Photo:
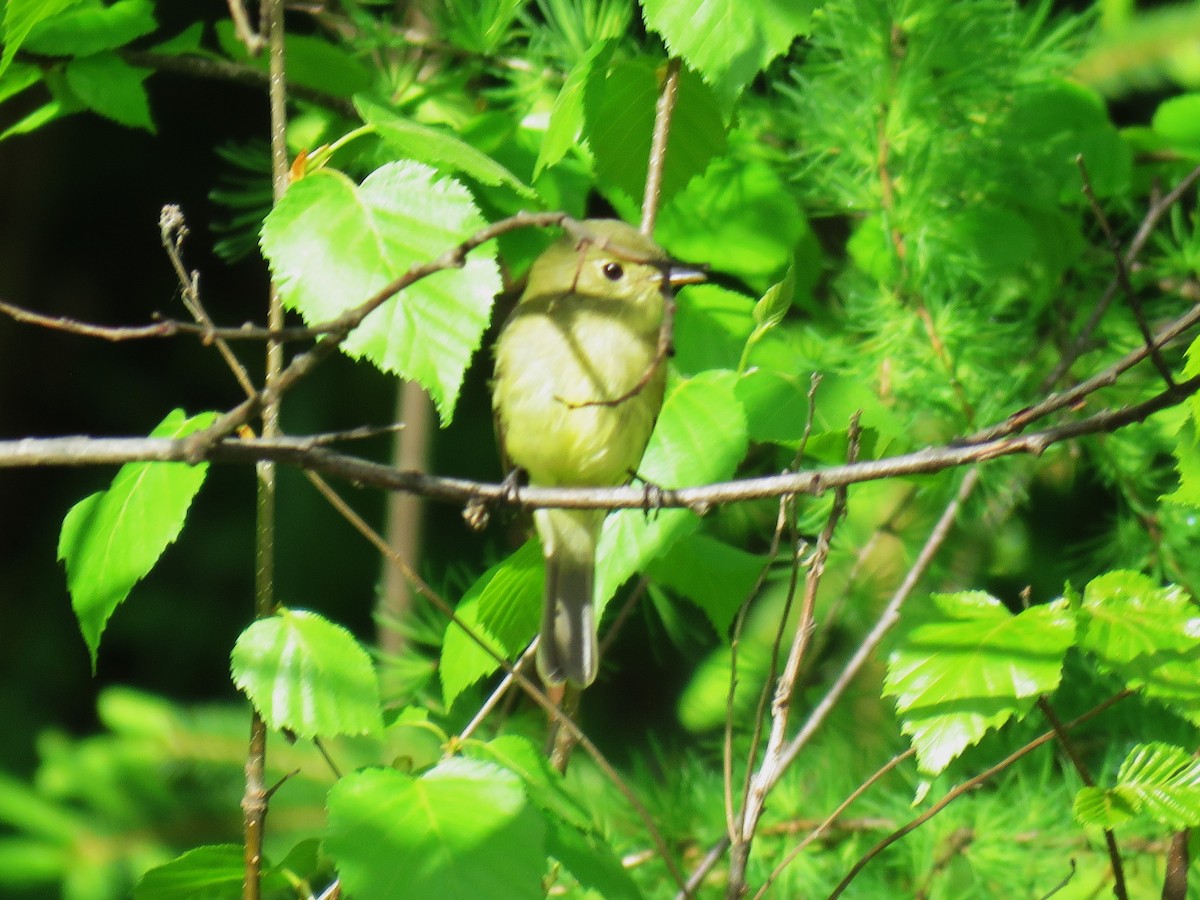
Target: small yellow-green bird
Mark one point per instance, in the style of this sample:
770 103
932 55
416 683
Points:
569 409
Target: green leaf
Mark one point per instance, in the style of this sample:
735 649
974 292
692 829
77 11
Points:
739 217
113 88
187 41
1102 807
971 668
437 148
712 325
700 438
1158 779
504 606
43 115
1058 121
91 27
566 118
307 675
19 78
213 873
571 836
715 576
21 17
1126 615
112 539
619 108
1187 454
461 831
332 245
1178 120
728 41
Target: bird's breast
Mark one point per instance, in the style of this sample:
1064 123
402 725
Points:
561 371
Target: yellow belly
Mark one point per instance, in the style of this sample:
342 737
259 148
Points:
546 402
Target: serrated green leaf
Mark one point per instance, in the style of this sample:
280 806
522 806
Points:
1164 780
971 668
307 675
112 539
463 830
21 17
332 244
728 41
619 111
437 148
1102 807
1126 615
108 85
699 439
213 873
1161 780
1187 454
566 117
504 606
714 575
86 28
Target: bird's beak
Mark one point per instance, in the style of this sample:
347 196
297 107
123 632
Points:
679 275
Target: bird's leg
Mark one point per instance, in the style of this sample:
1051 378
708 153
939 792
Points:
511 484
653 495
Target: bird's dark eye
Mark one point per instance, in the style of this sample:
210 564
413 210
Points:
613 271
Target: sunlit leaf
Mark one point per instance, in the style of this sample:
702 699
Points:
307 675
112 539
333 244
89 27
971 668
728 41
461 831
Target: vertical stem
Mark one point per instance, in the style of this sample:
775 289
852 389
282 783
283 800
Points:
658 145
254 800
405 513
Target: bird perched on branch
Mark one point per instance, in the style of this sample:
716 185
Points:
580 372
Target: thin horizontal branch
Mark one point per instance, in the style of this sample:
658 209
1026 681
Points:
162 328
308 454
197 66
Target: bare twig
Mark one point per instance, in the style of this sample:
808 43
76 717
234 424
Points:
827 823
1158 208
172 230
161 328
197 66
1110 839
967 786
245 32
773 755
79 451
1122 270
498 694
658 145
255 801
1067 399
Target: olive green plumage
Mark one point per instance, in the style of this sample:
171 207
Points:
584 334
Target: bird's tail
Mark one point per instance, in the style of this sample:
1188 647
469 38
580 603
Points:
567 647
